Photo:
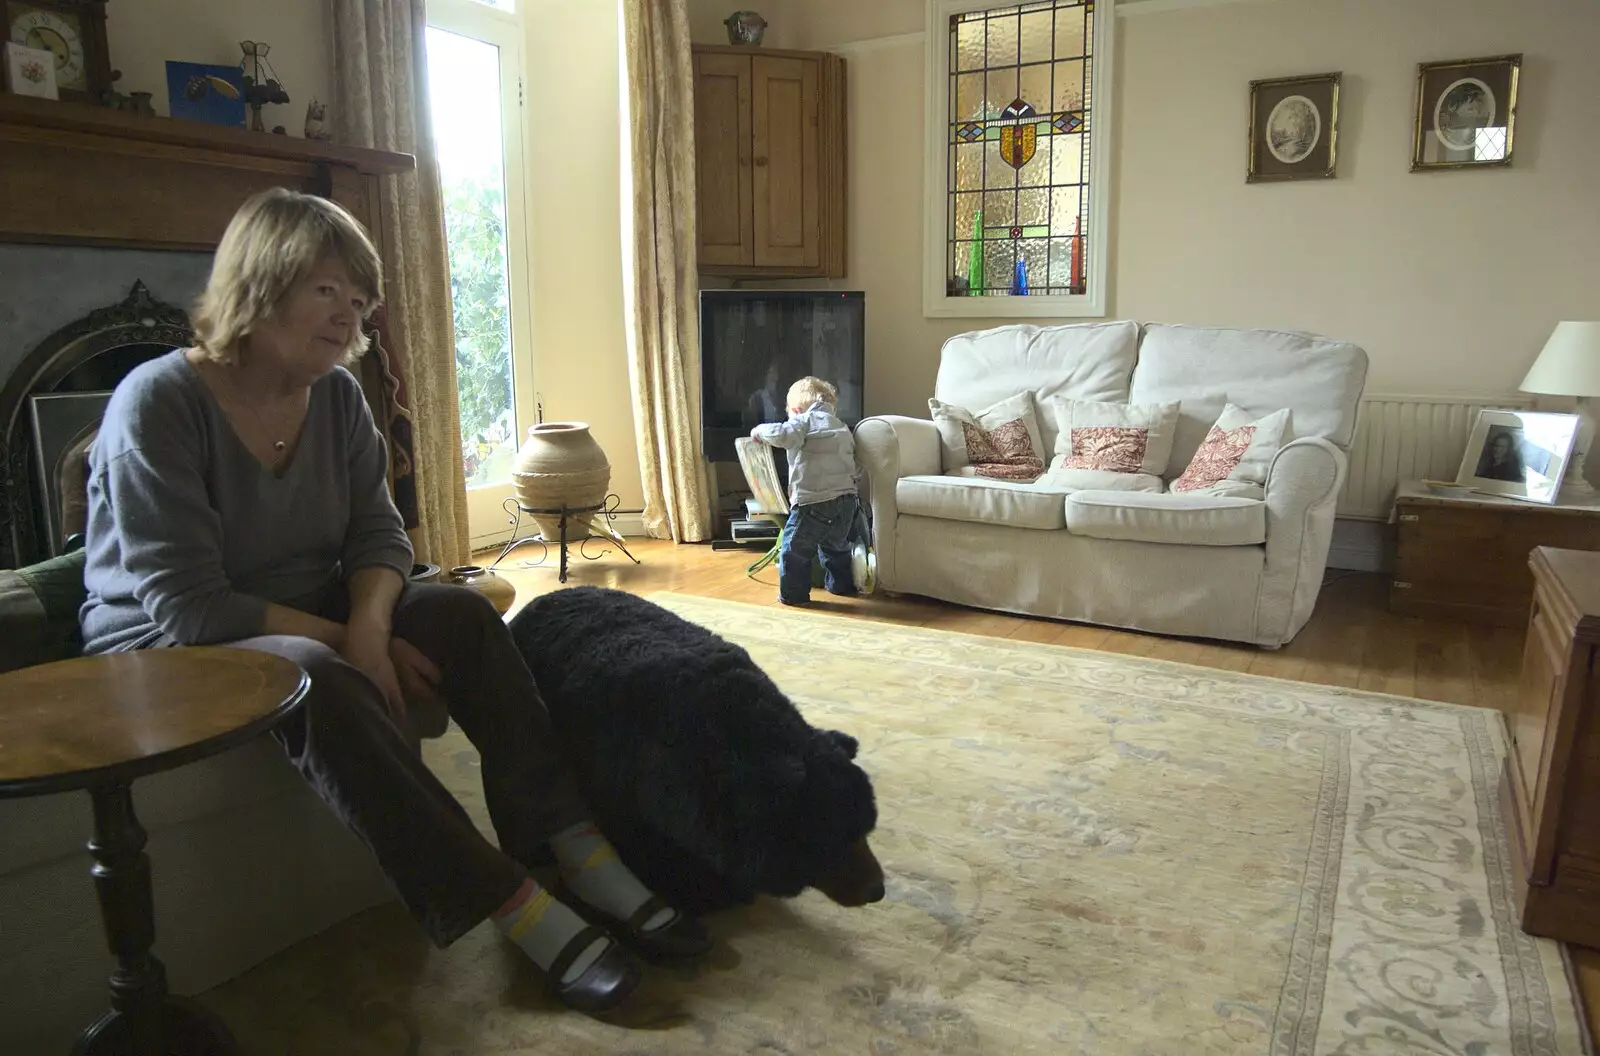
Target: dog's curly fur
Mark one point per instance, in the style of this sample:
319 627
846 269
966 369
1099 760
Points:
701 771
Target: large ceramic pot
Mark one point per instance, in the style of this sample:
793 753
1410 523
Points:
559 465
496 588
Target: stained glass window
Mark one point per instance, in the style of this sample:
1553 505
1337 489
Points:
1021 127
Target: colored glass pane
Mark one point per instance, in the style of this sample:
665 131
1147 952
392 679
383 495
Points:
1035 30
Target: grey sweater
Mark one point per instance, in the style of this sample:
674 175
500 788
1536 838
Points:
822 454
189 536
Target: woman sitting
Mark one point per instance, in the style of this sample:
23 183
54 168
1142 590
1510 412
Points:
238 495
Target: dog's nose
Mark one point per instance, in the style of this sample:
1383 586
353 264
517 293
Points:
875 893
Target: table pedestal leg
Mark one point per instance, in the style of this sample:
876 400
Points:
144 1020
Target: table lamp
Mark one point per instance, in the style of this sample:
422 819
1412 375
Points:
1570 366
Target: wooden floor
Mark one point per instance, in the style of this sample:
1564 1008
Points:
1352 640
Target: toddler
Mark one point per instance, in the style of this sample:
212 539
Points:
822 491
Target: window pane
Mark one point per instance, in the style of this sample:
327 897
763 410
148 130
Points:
464 85
1025 147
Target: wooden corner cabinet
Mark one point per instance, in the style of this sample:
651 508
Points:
1550 791
770 162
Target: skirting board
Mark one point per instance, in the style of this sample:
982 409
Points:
1361 546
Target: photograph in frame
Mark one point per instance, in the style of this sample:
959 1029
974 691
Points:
1519 454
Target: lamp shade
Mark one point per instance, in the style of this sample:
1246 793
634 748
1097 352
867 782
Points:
1569 364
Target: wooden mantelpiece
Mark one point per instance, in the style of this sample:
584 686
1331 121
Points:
76 174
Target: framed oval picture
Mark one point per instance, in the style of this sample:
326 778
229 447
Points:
1294 127
1466 113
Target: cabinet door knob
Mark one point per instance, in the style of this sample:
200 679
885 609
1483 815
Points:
761 163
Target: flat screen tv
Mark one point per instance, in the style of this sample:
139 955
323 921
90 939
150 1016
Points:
755 343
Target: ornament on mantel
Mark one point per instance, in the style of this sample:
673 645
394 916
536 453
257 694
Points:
316 117
259 90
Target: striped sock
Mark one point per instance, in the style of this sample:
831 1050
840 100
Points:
590 866
538 922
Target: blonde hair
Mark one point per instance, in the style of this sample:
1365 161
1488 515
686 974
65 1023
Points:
271 244
806 391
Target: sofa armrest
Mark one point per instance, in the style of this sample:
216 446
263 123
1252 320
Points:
889 447
1303 487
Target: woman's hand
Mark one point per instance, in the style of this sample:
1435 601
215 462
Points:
366 648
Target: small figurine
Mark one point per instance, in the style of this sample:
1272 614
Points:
316 115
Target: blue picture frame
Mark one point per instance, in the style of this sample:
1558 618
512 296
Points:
198 91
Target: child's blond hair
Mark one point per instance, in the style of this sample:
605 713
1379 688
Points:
808 390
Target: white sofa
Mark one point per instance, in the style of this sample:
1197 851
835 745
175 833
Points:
1239 569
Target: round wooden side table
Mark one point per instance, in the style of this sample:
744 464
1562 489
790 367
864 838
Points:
97 724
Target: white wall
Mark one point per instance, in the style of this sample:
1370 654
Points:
573 144
143 34
1450 280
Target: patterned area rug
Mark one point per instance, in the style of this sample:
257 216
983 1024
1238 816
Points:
1088 854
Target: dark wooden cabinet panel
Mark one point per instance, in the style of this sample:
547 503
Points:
1550 792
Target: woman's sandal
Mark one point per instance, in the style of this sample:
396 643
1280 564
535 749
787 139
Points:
679 939
605 984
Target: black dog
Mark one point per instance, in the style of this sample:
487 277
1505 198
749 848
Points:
696 765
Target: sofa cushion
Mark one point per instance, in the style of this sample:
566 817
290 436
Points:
1001 441
1195 520
1318 379
962 498
1100 480
1085 361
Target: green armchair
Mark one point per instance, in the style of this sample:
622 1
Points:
39 612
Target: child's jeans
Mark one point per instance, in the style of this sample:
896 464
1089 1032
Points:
823 529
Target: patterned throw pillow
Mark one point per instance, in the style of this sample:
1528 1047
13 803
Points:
1004 452
1113 448
1221 452
1013 420
1111 437
1237 453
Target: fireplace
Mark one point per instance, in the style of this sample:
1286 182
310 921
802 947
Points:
50 408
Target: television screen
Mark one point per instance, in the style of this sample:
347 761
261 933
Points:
754 344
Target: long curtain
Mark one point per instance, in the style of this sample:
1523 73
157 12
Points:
660 269
381 101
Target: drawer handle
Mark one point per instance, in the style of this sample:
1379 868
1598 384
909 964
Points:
1410 517
1400 585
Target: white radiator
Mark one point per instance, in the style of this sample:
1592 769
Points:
1406 438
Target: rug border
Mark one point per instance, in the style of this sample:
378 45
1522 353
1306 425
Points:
1443 706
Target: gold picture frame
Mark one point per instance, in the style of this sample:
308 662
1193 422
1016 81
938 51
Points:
1294 128
1466 113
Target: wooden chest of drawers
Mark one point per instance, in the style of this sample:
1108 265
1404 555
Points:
1467 558
1550 791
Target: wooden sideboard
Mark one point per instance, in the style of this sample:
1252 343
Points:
1550 791
1466 558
